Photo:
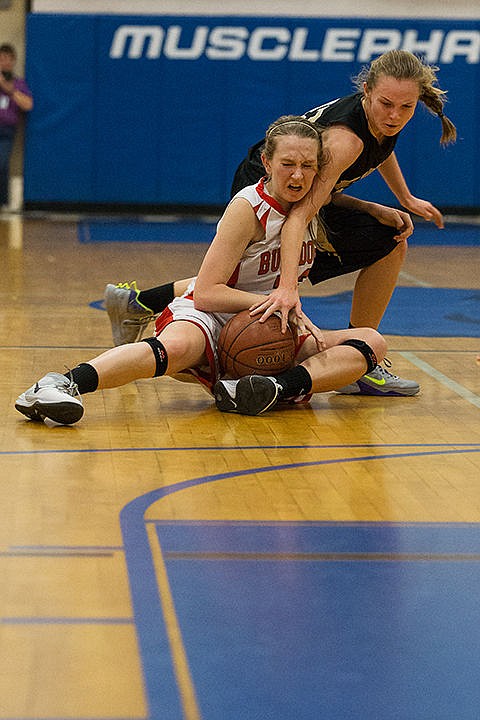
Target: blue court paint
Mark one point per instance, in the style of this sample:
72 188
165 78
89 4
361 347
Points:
295 637
99 231
285 639
37 620
418 447
413 311
161 693
199 230
320 537
452 234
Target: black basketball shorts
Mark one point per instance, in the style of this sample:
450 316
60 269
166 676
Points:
359 240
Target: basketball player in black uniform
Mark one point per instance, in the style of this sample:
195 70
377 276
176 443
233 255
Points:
360 134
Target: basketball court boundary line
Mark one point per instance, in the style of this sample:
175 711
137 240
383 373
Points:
452 385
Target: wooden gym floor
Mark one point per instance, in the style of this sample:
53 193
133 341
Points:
162 560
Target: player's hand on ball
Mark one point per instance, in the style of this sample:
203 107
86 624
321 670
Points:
281 300
303 325
246 347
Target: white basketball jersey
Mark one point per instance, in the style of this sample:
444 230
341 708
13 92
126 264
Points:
259 269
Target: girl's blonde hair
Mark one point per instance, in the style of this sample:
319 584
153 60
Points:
404 65
293 125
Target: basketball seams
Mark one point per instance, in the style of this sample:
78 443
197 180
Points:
247 347
237 334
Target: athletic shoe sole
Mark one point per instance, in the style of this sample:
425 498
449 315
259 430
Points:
116 315
254 395
363 388
404 392
64 413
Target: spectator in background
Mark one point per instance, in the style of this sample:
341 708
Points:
15 99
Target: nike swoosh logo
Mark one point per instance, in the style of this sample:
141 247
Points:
374 380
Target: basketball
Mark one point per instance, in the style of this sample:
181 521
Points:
248 347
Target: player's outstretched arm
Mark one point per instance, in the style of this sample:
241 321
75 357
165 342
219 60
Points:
392 174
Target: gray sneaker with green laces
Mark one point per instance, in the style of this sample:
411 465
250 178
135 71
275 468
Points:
128 317
381 382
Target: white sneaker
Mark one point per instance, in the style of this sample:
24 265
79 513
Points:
128 317
381 382
55 397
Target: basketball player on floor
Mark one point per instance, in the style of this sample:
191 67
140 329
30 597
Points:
362 130
239 269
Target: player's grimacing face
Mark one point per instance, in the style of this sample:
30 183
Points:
292 168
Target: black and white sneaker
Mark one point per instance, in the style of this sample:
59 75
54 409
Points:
251 395
55 397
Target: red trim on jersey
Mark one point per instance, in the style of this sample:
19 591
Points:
263 220
232 281
164 319
268 198
206 377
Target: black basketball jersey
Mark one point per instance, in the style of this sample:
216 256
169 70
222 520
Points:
349 111
346 111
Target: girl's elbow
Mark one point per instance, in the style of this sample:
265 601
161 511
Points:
202 301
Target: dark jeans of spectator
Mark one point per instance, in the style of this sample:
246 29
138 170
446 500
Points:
7 136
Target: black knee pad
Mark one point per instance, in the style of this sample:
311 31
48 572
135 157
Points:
366 351
161 357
